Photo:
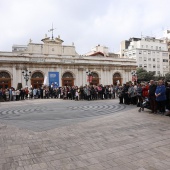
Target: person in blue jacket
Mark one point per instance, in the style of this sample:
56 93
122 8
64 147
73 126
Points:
160 94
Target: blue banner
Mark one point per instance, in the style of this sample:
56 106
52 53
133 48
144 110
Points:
53 79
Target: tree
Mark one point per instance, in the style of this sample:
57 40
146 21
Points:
167 76
143 75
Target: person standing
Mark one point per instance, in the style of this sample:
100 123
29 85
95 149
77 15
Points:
160 94
167 97
120 94
139 95
152 97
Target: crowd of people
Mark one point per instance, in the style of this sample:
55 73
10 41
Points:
158 94
87 92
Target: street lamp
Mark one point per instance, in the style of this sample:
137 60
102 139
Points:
26 75
89 76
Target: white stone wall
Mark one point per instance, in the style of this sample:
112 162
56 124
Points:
105 68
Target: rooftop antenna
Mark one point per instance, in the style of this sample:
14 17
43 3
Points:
51 30
141 35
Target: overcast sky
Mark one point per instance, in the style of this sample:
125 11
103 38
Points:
87 23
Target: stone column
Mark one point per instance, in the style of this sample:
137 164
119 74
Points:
102 76
84 77
80 78
19 75
14 73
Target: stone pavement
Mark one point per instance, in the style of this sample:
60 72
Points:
127 140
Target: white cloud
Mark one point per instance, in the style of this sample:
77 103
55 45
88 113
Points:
87 23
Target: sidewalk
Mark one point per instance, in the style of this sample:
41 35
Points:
124 141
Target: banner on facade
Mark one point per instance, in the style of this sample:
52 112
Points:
89 78
134 78
53 79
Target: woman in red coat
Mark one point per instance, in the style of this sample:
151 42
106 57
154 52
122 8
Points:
145 90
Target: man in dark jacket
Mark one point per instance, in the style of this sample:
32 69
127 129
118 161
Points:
152 97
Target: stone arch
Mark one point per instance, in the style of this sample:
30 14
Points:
68 79
37 79
5 80
37 75
67 75
117 79
95 78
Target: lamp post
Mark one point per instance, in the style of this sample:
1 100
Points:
89 76
26 75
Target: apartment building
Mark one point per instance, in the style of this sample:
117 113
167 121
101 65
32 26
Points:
150 53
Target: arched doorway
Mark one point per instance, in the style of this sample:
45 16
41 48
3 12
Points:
37 79
67 79
95 79
5 80
117 79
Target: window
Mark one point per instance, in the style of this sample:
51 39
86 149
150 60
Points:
157 53
158 72
149 65
144 58
153 59
140 52
145 65
158 66
156 47
149 59
165 60
154 66
140 58
158 60
164 54
159 48
151 47
149 52
140 65
165 67
153 53
144 52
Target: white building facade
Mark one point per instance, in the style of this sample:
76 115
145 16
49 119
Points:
150 53
51 59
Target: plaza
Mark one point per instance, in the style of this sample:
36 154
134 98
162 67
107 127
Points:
56 134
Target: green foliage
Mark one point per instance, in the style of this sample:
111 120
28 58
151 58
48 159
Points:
167 77
143 75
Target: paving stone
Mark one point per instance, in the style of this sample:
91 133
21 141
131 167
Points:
83 140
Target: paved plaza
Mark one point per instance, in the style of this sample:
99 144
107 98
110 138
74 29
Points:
55 134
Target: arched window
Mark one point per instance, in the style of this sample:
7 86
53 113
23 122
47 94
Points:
95 75
116 75
67 75
67 79
5 80
4 75
37 79
37 75
117 79
95 79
